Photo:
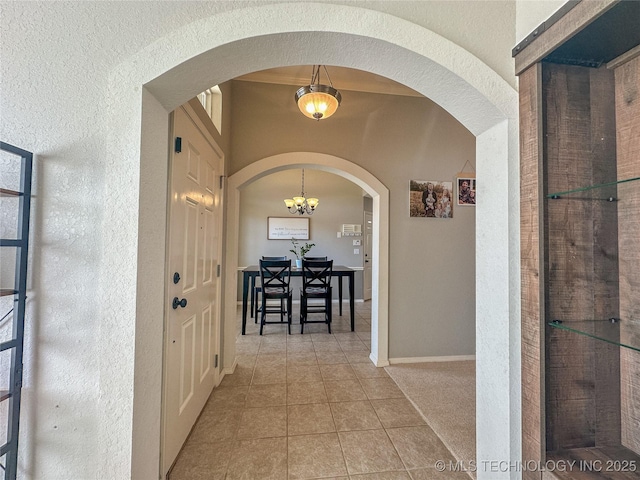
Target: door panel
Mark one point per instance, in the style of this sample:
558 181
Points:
191 326
368 258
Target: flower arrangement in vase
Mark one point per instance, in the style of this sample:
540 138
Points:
300 251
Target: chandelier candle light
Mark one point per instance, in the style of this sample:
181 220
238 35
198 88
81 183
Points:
301 205
318 101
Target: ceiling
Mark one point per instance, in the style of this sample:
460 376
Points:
342 79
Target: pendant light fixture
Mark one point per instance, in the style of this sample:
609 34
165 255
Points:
301 205
318 101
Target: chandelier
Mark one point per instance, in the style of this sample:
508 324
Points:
301 205
318 101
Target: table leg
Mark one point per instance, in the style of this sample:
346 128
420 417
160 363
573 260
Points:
340 294
352 302
245 294
253 294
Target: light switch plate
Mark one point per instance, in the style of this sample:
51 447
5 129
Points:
356 251
356 242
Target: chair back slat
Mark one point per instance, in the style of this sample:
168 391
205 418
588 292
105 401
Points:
316 274
275 274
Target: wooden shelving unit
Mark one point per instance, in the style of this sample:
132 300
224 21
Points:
580 218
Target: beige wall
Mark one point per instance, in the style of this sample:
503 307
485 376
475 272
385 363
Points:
432 261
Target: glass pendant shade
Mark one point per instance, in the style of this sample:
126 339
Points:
318 101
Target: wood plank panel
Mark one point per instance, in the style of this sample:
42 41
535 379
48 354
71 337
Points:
627 101
582 389
533 448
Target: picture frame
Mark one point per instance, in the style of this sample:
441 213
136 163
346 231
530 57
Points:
286 228
466 192
431 199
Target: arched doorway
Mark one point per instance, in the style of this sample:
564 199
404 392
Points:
215 49
343 168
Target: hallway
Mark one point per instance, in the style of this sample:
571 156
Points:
308 407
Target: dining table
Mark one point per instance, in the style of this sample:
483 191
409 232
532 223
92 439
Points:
250 273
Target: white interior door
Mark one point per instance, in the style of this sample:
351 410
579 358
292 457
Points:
192 320
368 238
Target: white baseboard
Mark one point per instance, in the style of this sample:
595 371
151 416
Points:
228 370
451 358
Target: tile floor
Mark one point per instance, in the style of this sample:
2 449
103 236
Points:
310 406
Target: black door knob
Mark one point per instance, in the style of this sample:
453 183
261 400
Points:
179 303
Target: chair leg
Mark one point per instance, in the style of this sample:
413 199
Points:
289 306
263 315
303 314
328 308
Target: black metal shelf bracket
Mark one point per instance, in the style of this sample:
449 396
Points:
16 344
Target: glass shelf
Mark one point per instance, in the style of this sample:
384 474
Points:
608 192
606 330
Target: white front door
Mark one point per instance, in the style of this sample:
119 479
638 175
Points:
368 239
192 323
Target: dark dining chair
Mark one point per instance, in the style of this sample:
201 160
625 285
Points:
276 296
315 259
315 293
255 295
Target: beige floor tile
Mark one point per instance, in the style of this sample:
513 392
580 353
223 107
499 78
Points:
228 396
215 425
303 359
331 358
303 374
263 422
301 347
241 376
264 459
272 359
267 395
323 337
327 347
291 339
207 461
419 447
433 474
246 361
310 392
309 418
266 348
264 374
344 391
380 388
369 451
369 370
397 412
354 416
382 476
342 371
358 356
315 456
353 346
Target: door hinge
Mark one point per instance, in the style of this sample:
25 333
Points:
221 181
178 145
218 270
215 361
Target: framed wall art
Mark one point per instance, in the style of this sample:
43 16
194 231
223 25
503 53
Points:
430 198
286 228
466 190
